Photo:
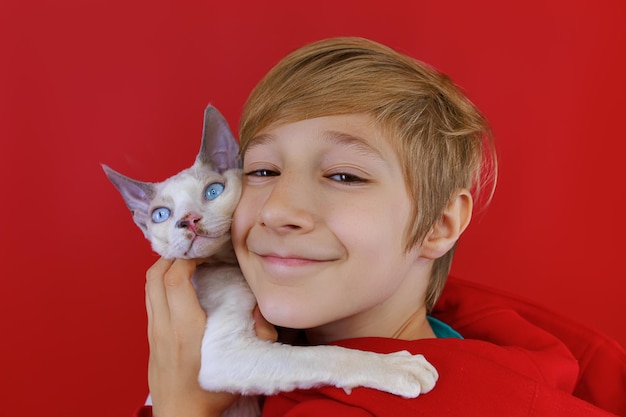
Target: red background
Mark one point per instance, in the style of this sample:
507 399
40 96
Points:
125 83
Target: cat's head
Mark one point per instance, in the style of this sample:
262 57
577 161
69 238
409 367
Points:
189 214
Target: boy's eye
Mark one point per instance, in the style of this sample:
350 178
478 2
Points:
262 173
347 178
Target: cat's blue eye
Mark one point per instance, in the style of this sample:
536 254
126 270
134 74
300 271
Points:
212 191
160 214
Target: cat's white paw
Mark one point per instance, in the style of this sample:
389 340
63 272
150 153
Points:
407 375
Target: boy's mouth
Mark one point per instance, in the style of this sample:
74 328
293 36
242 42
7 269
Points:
288 260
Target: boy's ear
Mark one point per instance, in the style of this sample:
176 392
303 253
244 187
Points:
447 230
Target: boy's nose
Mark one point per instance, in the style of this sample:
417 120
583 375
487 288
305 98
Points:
289 206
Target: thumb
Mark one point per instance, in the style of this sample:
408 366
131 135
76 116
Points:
263 328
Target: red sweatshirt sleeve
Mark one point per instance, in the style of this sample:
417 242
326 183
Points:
473 382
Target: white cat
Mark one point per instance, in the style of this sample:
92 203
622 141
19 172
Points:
189 216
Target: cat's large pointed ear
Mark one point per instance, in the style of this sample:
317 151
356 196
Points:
136 194
219 147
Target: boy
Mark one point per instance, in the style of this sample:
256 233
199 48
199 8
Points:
360 171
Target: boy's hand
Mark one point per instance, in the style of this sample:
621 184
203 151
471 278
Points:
175 328
263 328
176 325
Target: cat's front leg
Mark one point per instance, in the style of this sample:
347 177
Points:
235 360
252 366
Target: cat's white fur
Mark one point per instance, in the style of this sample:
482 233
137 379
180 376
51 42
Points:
233 358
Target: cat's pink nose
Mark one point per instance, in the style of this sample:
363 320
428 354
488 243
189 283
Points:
189 222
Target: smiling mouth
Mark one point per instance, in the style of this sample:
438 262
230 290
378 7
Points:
290 260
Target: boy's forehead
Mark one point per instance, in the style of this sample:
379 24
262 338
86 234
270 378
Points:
359 144
357 132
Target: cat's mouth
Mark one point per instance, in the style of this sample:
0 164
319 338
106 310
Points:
204 245
201 233
208 236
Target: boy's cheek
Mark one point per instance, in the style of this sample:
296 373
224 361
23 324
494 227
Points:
240 223
238 236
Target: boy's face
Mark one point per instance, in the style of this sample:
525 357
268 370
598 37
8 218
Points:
320 228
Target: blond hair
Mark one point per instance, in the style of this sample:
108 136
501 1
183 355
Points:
442 140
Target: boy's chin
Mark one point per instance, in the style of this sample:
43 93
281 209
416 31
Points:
290 317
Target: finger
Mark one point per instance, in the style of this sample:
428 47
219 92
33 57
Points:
184 307
150 316
156 300
199 261
263 328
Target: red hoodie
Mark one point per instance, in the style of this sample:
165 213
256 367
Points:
516 360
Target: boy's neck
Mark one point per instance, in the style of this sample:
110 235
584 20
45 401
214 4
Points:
415 327
412 326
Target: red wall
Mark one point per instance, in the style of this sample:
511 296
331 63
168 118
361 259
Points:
125 83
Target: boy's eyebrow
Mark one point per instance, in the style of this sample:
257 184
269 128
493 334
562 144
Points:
332 136
259 140
355 142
